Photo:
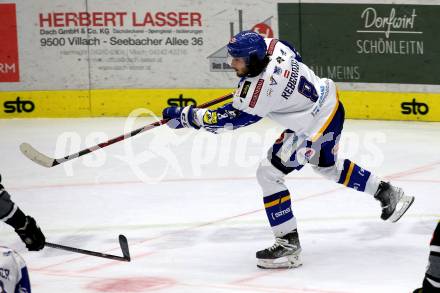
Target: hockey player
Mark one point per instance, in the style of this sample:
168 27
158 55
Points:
431 282
14 275
25 226
275 83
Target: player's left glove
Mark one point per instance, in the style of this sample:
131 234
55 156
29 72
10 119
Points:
28 230
180 117
31 235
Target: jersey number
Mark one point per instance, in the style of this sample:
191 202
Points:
307 89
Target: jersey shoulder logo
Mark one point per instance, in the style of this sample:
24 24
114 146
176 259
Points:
277 70
256 93
280 60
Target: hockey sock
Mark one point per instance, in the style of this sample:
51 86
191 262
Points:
358 178
279 212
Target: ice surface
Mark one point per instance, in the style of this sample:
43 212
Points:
192 211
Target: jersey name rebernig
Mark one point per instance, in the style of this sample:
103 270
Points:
291 84
256 93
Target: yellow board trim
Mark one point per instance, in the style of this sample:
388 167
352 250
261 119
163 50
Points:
390 105
120 102
277 201
103 102
348 176
47 104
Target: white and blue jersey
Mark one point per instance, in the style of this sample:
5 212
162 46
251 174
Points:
287 91
14 277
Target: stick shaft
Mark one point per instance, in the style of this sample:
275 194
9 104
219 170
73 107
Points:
131 134
84 251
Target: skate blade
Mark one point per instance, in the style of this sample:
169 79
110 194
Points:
285 262
402 206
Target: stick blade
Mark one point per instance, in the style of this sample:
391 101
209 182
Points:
124 247
32 154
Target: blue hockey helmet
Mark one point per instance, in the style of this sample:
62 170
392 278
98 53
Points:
247 45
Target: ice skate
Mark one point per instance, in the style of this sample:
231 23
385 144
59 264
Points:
285 253
393 201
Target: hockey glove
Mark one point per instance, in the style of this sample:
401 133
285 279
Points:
28 230
180 117
31 235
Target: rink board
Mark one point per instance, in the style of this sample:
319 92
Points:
100 103
121 102
106 58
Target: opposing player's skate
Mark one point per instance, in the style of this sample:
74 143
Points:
285 253
393 200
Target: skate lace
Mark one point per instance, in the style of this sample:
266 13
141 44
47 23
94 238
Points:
283 243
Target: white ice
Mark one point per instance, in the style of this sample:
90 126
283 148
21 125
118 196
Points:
192 211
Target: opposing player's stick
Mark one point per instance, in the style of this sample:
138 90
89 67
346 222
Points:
31 153
122 242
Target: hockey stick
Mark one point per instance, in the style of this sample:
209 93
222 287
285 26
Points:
122 242
31 153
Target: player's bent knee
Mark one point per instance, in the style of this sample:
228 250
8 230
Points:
267 173
331 172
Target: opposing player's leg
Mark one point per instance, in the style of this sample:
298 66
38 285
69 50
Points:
431 282
324 161
285 253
